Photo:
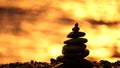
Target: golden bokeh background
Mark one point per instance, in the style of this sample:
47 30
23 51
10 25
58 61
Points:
36 29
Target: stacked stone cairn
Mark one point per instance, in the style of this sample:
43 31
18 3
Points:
74 51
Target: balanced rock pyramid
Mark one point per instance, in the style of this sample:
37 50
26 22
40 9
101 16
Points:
74 51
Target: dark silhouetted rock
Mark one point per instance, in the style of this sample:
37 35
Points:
76 41
75 34
75 51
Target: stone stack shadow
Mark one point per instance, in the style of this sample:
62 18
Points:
74 51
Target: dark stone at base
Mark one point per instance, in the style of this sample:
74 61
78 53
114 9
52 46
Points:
74 66
83 64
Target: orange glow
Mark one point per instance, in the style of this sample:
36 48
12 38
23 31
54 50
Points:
56 50
35 30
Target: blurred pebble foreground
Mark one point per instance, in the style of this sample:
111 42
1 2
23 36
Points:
35 64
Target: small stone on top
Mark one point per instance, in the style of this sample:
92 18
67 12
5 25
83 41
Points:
75 32
76 28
